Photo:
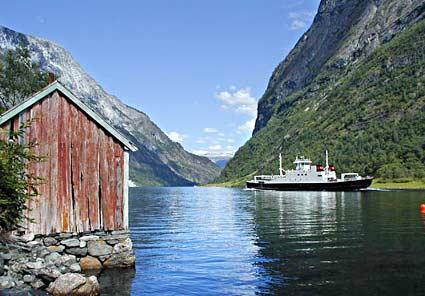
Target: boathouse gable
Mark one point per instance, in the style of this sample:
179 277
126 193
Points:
85 172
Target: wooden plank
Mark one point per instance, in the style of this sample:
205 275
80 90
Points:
69 200
61 177
119 173
75 167
40 134
92 176
105 181
32 134
79 174
44 168
43 171
112 199
125 185
64 197
53 225
82 198
110 210
31 169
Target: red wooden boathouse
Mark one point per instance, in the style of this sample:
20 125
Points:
85 185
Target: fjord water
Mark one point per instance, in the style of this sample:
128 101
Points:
220 241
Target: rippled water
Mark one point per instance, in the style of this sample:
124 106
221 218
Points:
218 241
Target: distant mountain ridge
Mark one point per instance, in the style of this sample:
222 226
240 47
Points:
353 84
159 160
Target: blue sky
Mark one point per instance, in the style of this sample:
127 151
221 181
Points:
196 67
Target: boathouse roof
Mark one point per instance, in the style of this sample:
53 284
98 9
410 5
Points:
57 86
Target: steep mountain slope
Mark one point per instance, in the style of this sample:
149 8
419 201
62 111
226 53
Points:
159 160
357 89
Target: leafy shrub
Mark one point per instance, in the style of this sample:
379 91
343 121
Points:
17 184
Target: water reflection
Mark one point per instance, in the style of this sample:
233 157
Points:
193 235
216 241
117 281
326 243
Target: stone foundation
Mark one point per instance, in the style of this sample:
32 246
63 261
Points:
46 262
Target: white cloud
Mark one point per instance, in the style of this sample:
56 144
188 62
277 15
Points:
210 130
215 147
176 137
241 101
247 126
300 20
200 141
297 25
223 153
221 134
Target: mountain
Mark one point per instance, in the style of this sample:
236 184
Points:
159 160
221 162
353 84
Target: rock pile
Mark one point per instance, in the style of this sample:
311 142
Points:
53 262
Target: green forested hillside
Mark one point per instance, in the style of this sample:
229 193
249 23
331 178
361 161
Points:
370 115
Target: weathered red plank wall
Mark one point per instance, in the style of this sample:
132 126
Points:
83 172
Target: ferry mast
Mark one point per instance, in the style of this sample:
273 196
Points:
327 163
280 164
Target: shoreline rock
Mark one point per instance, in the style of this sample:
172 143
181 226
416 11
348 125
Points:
74 284
49 262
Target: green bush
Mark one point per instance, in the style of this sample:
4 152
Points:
17 184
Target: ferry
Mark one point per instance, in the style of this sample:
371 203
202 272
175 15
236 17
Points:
309 177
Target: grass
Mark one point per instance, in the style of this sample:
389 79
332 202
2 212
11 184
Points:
240 183
399 184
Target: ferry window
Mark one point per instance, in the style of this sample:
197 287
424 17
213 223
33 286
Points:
319 175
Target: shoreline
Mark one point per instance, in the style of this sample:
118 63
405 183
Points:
398 185
377 184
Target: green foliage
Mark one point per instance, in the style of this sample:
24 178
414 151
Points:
369 115
19 77
17 184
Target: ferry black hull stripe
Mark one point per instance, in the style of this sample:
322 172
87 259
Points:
329 186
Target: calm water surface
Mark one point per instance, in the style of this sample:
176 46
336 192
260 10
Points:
218 241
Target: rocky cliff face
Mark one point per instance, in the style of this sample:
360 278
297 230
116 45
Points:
354 84
159 160
343 32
